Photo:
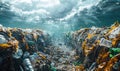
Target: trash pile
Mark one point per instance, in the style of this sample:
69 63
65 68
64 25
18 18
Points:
23 50
88 49
32 50
98 49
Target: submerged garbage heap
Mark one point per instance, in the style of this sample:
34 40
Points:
88 49
98 49
23 50
32 50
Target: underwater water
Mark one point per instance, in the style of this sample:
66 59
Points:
58 15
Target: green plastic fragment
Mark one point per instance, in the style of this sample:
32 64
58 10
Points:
114 51
53 68
31 43
111 55
77 63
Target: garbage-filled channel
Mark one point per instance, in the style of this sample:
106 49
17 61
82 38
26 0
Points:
88 49
57 35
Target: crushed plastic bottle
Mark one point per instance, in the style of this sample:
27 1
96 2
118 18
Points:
18 54
105 42
114 32
26 54
28 65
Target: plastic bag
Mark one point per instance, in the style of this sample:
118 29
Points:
2 39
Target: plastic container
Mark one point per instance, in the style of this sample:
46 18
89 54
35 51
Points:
27 64
105 42
18 54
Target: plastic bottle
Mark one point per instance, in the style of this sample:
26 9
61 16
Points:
27 64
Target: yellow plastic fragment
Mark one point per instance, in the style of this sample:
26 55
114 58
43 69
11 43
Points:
5 45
